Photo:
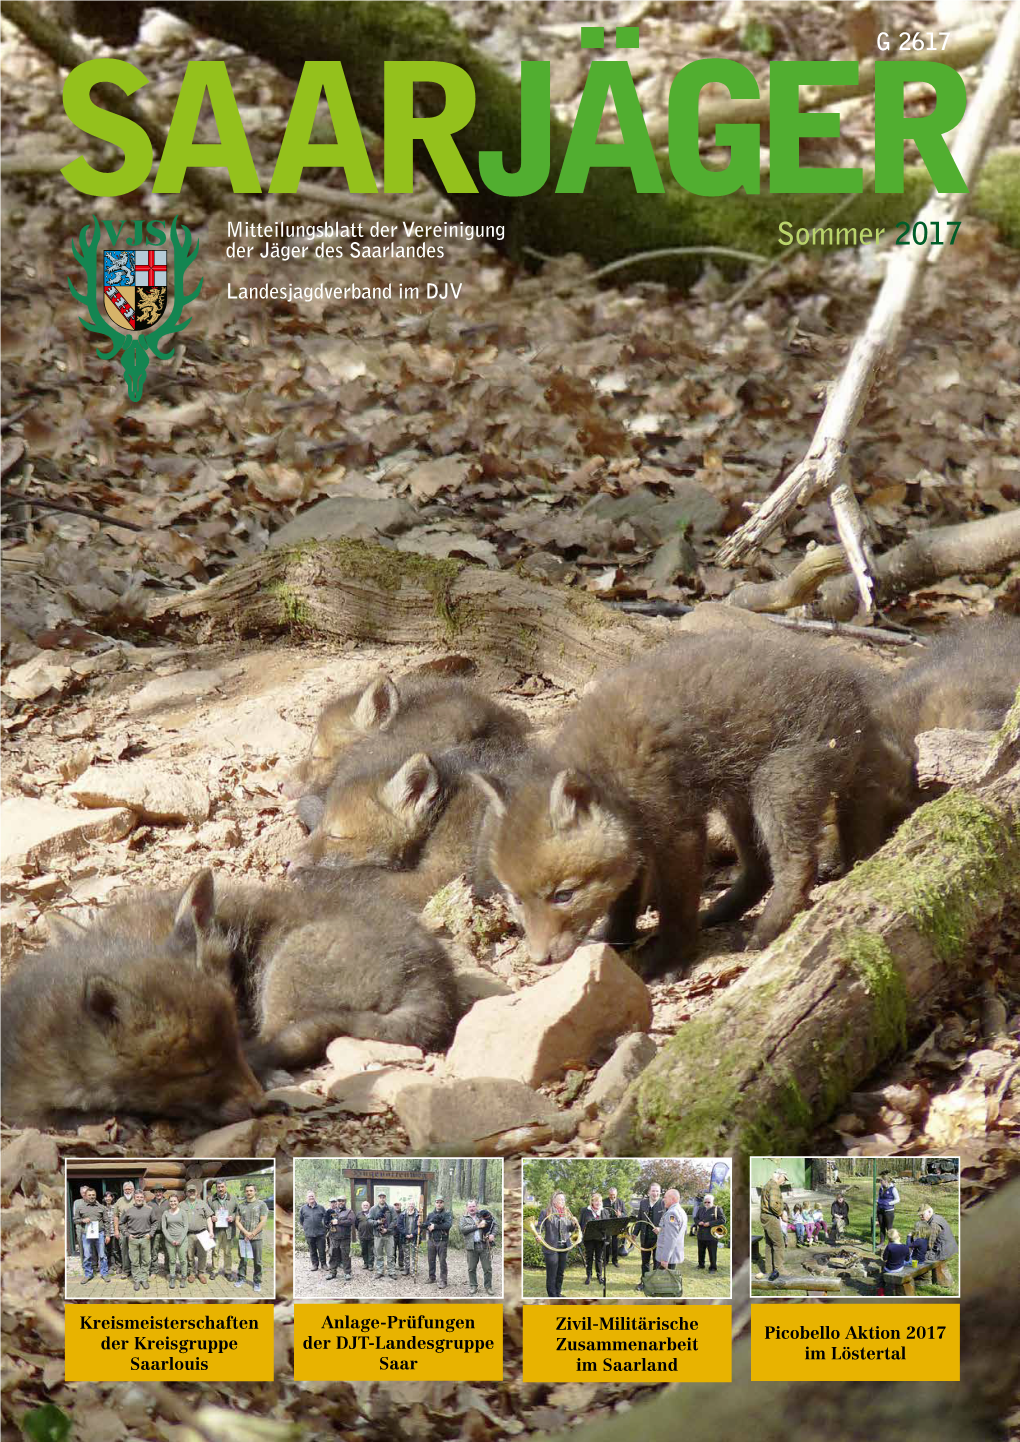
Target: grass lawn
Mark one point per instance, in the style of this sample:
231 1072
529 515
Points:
945 1198
623 1280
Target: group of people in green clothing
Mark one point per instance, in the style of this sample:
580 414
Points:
194 1235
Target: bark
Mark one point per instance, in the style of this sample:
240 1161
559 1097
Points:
971 1410
972 546
835 996
608 220
355 591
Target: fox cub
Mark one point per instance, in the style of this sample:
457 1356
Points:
421 816
170 1003
418 713
765 731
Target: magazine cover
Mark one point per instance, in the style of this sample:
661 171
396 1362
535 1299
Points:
510 719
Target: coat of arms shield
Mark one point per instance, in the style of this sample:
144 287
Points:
134 287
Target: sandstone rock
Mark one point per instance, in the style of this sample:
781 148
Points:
31 1154
558 1023
150 790
349 1055
295 1097
35 833
475 984
178 690
36 677
236 1140
446 1118
628 1061
368 1093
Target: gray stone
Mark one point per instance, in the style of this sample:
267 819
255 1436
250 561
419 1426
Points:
629 1060
368 1093
346 516
349 1055
540 1032
178 690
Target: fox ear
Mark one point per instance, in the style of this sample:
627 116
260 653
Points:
571 797
197 907
414 788
493 790
61 928
378 707
100 999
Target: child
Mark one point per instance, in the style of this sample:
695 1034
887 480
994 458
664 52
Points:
799 1224
819 1222
897 1256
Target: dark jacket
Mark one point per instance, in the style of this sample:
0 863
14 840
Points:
342 1219
313 1219
705 1218
896 1255
441 1223
384 1216
941 1242
648 1217
589 1215
555 1230
840 1208
365 1229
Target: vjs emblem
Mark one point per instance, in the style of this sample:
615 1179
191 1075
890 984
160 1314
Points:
126 291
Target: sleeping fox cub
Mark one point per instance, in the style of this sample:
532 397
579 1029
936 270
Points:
764 730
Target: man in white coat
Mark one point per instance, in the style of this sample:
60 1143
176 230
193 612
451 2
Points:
669 1245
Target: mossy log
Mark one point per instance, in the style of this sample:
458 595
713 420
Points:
974 1409
835 996
608 220
355 591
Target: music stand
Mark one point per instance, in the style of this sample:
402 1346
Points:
602 1230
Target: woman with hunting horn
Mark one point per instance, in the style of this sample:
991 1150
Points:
558 1233
711 1224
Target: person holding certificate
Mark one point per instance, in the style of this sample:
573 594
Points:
251 1217
223 1231
200 1234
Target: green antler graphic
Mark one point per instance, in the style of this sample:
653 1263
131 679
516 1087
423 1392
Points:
135 346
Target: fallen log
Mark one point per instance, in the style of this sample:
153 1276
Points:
835 996
796 1284
356 591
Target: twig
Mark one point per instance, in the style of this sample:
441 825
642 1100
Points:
668 252
44 505
825 465
792 623
788 253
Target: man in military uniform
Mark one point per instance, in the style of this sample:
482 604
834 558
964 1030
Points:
251 1217
650 1210
120 1206
199 1214
437 1229
479 1238
669 1244
136 1224
772 1205
366 1237
381 1217
222 1204
340 1223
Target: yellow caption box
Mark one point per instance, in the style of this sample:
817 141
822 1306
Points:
855 1342
376 1341
603 1343
212 1343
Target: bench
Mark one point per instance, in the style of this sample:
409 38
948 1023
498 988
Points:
906 1280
